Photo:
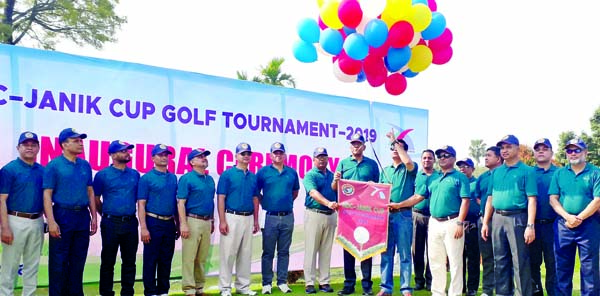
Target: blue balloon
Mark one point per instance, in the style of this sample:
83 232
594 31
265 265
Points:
348 31
436 27
305 52
308 30
414 2
356 46
361 76
409 74
331 41
397 58
376 32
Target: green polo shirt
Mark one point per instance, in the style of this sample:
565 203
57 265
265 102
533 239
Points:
543 177
69 181
277 188
445 192
402 180
511 185
421 181
321 182
159 189
239 188
473 206
23 184
366 170
481 190
118 189
576 191
199 192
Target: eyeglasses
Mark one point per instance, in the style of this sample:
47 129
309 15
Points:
539 148
464 167
246 153
356 144
444 155
571 151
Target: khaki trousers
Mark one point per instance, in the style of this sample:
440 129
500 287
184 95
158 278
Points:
319 230
194 254
441 243
236 248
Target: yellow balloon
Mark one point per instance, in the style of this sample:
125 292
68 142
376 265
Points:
396 10
320 3
420 17
329 14
420 58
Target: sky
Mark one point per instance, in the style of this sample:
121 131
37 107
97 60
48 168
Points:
526 68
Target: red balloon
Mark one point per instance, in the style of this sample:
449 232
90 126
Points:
373 64
401 34
442 42
442 56
349 66
350 13
395 84
432 5
380 51
322 25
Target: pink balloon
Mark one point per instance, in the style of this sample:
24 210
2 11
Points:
401 34
350 13
380 51
432 5
395 84
348 65
373 64
322 25
442 56
442 42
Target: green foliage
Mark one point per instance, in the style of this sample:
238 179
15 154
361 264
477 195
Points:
477 150
271 74
559 153
44 22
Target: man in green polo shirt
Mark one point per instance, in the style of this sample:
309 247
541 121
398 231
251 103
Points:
357 167
279 185
471 252
512 195
493 159
543 245
575 196
449 195
421 217
195 206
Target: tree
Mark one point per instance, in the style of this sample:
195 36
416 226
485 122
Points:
559 152
592 141
271 74
526 155
477 150
46 21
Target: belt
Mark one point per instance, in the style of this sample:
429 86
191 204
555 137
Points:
509 213
320 211
159 217
239 213
25 215
201 217
72 208
544 221
281 213
422 212
442 219
118 218
399 210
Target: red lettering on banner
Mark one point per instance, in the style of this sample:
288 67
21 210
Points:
305 165
99 157
171 164
224 161
256 162
333 163
184 166
143 158
48 151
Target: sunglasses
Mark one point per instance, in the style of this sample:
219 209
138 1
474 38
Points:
247 153
444 155
571 151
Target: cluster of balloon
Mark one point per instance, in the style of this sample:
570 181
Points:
380 41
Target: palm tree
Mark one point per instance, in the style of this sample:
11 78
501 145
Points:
270 74
477 149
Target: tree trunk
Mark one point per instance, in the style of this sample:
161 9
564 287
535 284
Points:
8 21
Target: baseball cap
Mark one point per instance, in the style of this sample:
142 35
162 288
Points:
160 148
70 133
496 150
196 152
277 147
508 139
320 151
25 136
576 142
542 141
357 137
118 145
243 147
466 161
448 149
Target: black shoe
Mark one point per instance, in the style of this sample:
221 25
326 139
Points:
346 291
538 293
419 287
326 288
310 289
473 293
368 292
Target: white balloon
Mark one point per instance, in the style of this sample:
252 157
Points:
363 23
341 76
415 40
372 8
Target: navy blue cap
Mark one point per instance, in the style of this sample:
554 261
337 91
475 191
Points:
196 152
466 161
277 147
116 146
446 148
70 133
576 142
508 139
496 150
25 136
357 137
320 151
243 147
160 148
542 141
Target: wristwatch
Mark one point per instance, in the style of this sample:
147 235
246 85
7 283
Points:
461 223
530 226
